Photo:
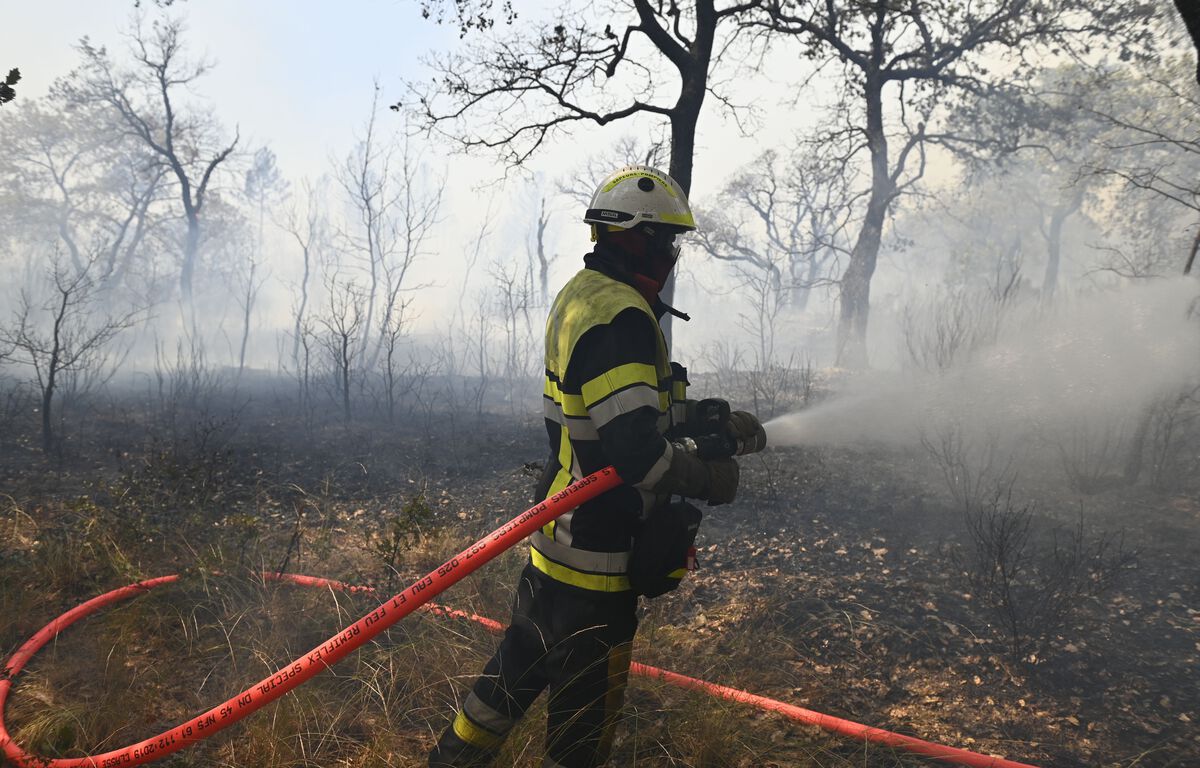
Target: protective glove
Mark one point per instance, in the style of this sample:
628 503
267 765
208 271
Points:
746 429
723 477
715 480
706 417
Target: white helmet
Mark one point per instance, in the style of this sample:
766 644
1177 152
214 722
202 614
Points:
638 194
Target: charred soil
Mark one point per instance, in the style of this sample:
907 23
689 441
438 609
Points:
840 580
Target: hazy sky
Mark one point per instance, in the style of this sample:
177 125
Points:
297 76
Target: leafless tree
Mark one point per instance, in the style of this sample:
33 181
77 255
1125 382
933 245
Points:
307 340
393 331
70 172
64 337
343 319
900 63
454 352
469 15
1051 175
1151 143
479 346
249 282
145 99
511 96
364 177
396 210
785 227
264 187
580 184
513 300
417 212
539 258
309 229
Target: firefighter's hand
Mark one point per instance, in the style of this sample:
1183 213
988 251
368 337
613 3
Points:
722 481
715 480
746 429
705 417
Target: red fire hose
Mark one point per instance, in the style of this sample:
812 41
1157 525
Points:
324 655
356 635
792 712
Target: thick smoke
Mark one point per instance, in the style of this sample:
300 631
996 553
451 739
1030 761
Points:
1092 363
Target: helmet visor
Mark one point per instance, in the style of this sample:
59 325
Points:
666 242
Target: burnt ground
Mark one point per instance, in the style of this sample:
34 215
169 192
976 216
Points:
837 581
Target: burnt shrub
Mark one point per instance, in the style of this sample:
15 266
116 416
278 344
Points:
1032 583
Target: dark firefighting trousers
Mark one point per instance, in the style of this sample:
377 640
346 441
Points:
573 641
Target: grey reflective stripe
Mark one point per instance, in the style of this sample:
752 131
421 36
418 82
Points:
578 429
486 717
679 414
551 410
658 469
582 429
562 528
639 396
652 500
580 559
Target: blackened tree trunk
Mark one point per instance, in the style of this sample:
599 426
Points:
855 309
50 383
924 51
1190 11
554 74
684 118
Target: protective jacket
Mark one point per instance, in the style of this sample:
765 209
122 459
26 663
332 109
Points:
608 396
611 395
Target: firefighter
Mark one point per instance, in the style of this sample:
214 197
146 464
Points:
611 397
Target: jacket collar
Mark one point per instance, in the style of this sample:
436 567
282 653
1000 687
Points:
609 261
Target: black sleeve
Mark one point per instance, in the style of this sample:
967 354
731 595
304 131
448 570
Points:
627 416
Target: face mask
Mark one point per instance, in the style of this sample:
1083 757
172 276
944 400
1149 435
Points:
662 251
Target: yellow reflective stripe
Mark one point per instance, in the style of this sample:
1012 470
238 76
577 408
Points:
566 457
580 427
583 560
682 219
593 581
563 477
474 735
636 174
678 573
491 720
571 405
618 378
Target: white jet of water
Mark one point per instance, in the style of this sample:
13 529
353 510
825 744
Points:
1090 360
